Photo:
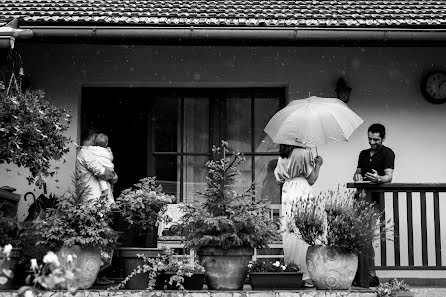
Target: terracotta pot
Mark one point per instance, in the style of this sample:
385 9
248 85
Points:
331 267
225 269
275 280
129 261
11 264
87 260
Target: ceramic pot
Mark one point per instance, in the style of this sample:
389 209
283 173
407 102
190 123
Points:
87 260
225 269
331 267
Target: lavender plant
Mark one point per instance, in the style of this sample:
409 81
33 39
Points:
338 218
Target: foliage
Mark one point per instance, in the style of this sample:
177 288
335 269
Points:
390 288
9 231
337 218
31 131
51 275
169 262
77 221
144 205
226 218
5 274
272 266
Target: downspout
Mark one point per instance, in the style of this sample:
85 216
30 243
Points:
10 32
242 34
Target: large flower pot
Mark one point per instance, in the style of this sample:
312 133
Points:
275 280
193 282
87 260
331 267
10 264
129 261
225 269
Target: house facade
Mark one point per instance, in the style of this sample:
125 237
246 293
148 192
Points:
165 80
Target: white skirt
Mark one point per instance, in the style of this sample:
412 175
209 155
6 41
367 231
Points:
294 248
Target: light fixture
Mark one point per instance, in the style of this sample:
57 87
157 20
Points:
342 90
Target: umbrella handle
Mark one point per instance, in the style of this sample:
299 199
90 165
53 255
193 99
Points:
317 154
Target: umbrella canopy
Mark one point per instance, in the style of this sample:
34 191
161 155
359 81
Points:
312 122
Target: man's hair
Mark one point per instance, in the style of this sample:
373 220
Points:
101 140
378 128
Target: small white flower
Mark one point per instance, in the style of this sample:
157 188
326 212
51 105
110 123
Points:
34 265
29 293
70 259
277 264
51 257
7 250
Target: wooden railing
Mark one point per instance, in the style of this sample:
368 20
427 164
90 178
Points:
414 210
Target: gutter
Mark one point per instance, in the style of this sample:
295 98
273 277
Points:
231 35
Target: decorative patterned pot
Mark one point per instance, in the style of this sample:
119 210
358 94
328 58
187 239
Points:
331 267
87 260
275 280
225 269
10 264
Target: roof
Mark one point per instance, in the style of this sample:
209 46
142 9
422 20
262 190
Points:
235 13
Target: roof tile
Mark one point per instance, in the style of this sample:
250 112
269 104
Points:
309 13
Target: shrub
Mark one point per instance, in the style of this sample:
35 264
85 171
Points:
227 218
143 205
76 221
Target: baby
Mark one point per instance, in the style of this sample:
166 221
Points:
104 156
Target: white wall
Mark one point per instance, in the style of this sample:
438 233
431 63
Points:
385 82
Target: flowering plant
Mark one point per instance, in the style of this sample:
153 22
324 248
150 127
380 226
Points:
390 288
272 266
5 273
51 275
337 218
32 131
144 204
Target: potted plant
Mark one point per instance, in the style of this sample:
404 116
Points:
183 271
337 226
227 226
394 288
29 121
142 207
269 274
78 227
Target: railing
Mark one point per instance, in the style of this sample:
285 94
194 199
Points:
417 239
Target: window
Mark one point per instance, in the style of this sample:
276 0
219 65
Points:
169 133
187 123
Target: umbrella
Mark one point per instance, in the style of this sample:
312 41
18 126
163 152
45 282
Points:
312 122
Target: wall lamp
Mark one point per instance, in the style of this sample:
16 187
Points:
342 90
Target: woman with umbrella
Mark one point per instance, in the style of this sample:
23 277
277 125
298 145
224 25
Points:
301 125
298 171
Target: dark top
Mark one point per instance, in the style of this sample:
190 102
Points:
384 158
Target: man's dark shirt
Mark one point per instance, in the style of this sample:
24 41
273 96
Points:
384 158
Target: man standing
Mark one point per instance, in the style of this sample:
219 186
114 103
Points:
376 165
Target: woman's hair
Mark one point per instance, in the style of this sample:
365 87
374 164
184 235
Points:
286 150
